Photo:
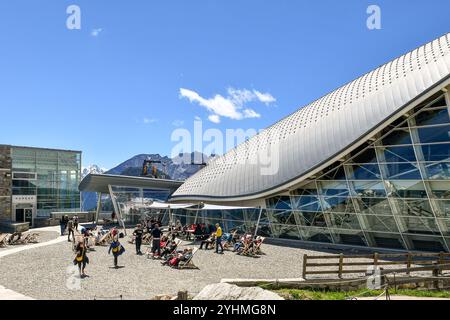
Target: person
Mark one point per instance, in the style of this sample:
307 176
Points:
75 222
117 249
138 232
207 242
156 234
62 225
113 216
81 258
218 234
70 230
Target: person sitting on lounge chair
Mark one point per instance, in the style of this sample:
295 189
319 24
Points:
169 249
207 242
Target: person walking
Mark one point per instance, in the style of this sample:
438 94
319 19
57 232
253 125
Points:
81 258
156 234
219 238
62 225
117 249
75 223
138 232
70 230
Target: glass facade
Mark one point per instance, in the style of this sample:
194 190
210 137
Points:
393 191
50 175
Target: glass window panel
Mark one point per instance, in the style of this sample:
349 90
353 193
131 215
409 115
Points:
316 234
421 225
396 137
281 217
338 204
367 156
369 188
431 117
336 174
399 154
434 134
436 152
306 203
365 172
309 189
408 189
279 202
444 205
286 232
379 206
331 188
416 207
382 223
438 171
344 221
440 189
402 171
313 219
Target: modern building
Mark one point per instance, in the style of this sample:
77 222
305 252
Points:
366 165
35 182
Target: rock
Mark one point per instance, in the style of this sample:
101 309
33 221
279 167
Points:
164 297
225 291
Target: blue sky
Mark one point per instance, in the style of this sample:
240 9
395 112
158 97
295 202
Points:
112 89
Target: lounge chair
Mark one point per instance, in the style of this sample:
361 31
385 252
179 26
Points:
4 239
105 239
15 238
257 247
188 264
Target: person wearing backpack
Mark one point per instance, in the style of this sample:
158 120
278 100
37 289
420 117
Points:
117 249
81 258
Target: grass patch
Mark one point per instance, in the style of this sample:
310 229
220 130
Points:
297 294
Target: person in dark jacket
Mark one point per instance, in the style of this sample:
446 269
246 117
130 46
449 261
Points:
156 234
117 249
138 232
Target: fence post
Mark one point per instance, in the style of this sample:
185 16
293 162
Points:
341 261
305 260
408 263
441 262
375 259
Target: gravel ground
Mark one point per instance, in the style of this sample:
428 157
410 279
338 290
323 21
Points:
41 273
44 236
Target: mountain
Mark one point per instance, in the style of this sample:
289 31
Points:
178 168
93 168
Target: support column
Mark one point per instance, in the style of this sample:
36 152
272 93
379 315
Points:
117 209
435 208
299 220
362 219
390 191
99 207
326 215
257 223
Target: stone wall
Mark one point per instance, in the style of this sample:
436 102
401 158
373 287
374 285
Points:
5 182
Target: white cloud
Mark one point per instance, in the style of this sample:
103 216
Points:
214 118
232 106
177 123
149 120
266 98
96 32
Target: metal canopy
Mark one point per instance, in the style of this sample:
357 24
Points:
100 182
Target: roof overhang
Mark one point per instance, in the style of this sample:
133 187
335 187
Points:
101 182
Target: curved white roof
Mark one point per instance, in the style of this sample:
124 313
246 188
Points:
316 133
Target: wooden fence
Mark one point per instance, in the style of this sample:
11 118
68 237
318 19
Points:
338 264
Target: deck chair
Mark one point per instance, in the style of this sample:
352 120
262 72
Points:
33 237
257 247
146 238
4 239
15 238
188 264
247 250
105 239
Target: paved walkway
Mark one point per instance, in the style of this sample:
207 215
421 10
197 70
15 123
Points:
7 294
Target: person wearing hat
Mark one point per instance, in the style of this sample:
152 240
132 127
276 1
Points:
138 232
